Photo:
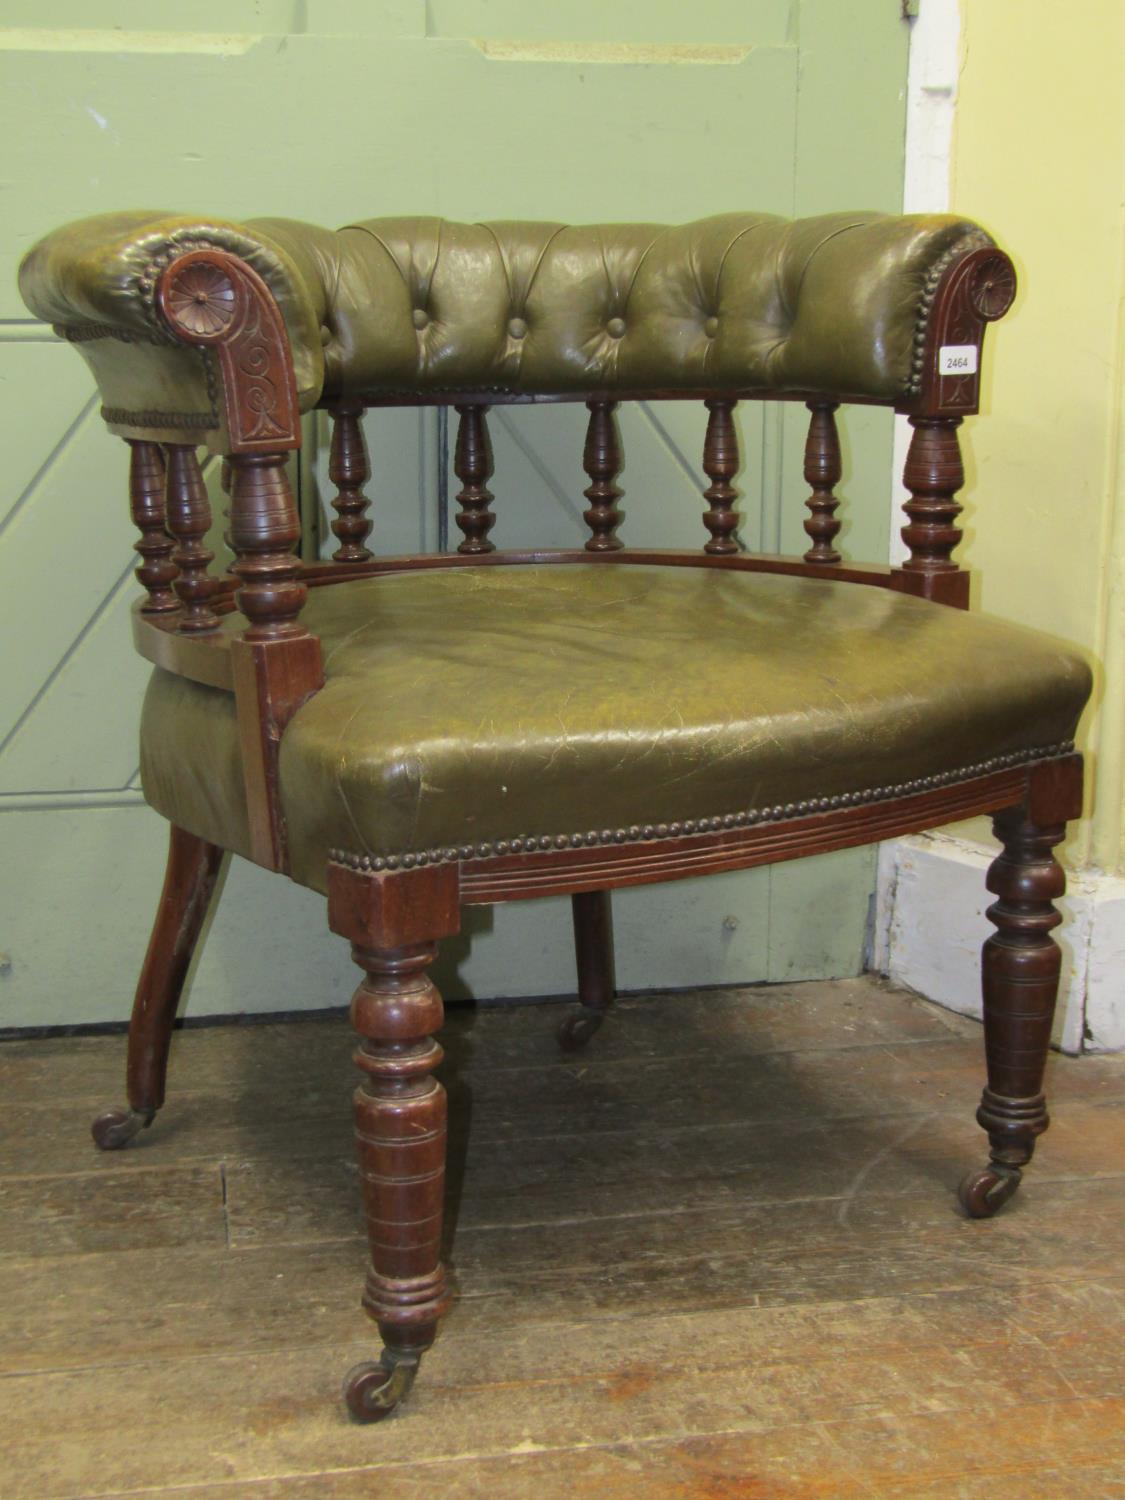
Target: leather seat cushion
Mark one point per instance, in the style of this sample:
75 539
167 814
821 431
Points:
465 706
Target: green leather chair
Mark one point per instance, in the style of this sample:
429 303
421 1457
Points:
409 735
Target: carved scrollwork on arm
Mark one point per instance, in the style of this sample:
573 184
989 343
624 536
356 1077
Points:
974 289
213 300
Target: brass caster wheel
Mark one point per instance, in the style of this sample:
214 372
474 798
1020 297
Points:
983 1193
373 1388
117 1127
578 1028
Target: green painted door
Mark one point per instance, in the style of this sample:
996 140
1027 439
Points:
335 109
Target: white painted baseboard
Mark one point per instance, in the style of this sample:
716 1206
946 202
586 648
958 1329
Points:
930 923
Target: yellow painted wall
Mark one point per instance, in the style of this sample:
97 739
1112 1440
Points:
1039 156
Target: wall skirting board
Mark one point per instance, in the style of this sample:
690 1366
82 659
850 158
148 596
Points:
930 923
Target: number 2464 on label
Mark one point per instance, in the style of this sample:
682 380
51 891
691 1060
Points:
957 359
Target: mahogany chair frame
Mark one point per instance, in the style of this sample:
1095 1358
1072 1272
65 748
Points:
394 911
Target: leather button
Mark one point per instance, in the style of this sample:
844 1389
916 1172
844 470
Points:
517 328
711 327
421 318
615 327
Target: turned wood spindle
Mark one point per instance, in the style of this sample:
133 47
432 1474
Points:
720 464
226 481
601 459
823 470
933 474
472 463
400 1128
188 518
1020 976
156 572
264 530
349 470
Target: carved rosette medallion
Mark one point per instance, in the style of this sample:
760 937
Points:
994 287
201 300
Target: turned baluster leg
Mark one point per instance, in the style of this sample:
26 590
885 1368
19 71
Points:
157 571
472 463
720 464
823 470
593 948
264 530
349 470
394 922
933 473
601 459
188 518
189 887
400 1126
1020 973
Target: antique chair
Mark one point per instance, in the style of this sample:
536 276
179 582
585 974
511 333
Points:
409 735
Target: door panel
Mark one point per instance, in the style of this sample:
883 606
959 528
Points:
335 109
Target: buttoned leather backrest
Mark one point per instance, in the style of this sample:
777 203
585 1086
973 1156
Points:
411 306
742 300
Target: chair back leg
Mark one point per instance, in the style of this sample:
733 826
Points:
189 888
593 948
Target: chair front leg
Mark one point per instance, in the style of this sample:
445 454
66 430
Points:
189 888
394 922
1020 977
400 1130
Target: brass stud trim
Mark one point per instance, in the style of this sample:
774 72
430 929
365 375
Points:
976 240
529 843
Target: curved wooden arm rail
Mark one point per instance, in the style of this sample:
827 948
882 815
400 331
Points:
410 735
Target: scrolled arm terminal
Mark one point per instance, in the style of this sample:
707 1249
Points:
212 299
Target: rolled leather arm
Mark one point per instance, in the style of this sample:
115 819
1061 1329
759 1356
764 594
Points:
95 281
838 305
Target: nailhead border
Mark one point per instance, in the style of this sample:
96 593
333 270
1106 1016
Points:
392 392
121 416
145 282
86 333
536 843
975 240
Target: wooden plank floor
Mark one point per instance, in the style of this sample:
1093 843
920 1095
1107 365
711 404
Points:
717 1255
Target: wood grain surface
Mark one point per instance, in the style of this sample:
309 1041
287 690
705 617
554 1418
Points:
782 1301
